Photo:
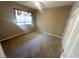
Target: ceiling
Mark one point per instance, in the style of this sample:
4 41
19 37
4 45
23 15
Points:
47 4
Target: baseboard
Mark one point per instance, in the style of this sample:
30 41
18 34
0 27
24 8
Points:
16 35
48 33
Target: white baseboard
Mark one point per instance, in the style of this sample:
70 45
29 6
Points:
16 35
50 34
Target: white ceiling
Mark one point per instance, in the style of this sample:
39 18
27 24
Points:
47 4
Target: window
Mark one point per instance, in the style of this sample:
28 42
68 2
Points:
23 17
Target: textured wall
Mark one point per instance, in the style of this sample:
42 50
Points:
53 20
8 27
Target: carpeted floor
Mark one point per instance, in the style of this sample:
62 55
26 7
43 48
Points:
33 45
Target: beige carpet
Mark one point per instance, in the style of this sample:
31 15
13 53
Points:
33 44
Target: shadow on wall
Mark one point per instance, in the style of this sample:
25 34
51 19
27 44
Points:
8 29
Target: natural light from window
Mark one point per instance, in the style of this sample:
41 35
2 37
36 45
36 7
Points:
23 18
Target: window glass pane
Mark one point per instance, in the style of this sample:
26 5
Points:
20 23
23 17
28 19
18 16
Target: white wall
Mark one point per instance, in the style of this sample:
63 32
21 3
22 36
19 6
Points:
71 35
1 52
